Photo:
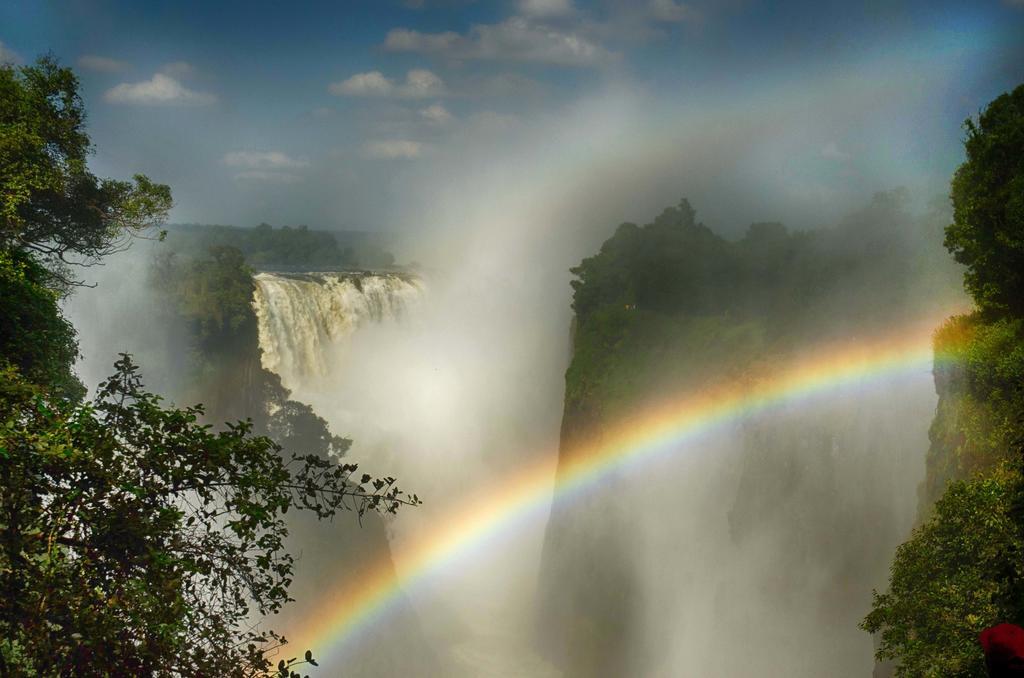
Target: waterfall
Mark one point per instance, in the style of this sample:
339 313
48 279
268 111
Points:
299 315
420 384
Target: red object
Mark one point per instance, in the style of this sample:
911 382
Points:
1006 639
1004 649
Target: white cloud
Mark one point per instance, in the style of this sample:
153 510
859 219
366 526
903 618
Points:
101 64
8 55
363 85
545 8
833 152
264 176
436 114
390 149
263 160
422 83
419 83
178 69
672 12
514 39
159 90
269 167
520 40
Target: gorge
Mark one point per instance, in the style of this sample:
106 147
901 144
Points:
762 500
746 540
520 339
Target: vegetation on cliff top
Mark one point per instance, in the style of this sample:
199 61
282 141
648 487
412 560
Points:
672 303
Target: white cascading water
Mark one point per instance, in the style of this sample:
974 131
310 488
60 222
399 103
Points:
299 315
397 365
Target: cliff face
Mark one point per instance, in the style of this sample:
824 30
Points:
784 525
979 372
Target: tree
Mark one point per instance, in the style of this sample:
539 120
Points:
137 541
54 213
960 573
50 204
34 336
215 295
987 233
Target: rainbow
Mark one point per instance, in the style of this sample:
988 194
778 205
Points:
664 430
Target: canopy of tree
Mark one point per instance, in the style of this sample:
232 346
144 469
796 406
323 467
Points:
34 337
136 541
50 204
987 233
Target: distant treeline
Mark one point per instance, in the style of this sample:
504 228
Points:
286 247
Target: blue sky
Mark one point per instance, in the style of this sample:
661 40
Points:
329 113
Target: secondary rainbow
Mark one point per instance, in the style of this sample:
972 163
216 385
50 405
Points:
665 430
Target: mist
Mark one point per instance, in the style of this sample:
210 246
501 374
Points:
485 251
466 384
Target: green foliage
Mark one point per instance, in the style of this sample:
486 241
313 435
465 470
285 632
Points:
962 570
676 265
987 233
979 376
285 246
50 204
660 267
54 213
137 541
625 357
214 295
960 573
673 303
34 336
295 426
